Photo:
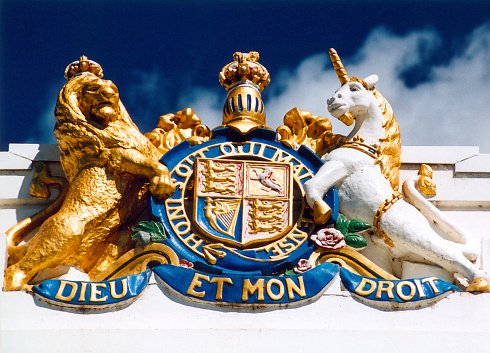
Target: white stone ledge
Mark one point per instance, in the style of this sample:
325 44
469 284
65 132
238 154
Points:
476 164
438 154
11 161
35 152
467 158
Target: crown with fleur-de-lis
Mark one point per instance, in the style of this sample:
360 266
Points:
83 66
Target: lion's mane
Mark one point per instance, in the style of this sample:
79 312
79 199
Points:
78 139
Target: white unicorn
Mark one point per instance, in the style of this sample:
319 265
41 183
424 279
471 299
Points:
364 170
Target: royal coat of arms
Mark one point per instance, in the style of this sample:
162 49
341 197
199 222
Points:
239 215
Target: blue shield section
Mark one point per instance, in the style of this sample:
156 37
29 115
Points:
194 238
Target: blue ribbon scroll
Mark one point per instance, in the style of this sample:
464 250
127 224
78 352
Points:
243 289
117 292
396 294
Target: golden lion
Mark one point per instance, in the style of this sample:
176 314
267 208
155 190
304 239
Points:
107 162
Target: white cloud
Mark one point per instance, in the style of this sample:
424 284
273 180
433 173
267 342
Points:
450 108
207 104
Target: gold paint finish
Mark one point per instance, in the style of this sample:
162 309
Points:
351 260
174 128
315 132
39 188
425 183
357 143
381 211
82 67
338 66
137 260
266 216
110 166
321 212
244 79
479 285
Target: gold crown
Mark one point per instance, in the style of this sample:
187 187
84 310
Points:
244 79
244 68
82 67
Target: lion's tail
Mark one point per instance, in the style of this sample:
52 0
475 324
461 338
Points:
39 188
468 246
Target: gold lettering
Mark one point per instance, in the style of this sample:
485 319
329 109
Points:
297 236
388 289
124 283
297 169
227 148
281 156
283 244
183 170
307 222
282 247
365 292
196 283
249 288
279 285
81 298
193 238
219 288
176 212
68 298
293 287
275 250
399 290
186 167
251 148
94 292
432 284
420 288
181 232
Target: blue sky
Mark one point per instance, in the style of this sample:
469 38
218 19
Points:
432 57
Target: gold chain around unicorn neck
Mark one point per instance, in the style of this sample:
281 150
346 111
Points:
385 206
357 143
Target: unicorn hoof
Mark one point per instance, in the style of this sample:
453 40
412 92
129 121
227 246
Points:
479 285
321 212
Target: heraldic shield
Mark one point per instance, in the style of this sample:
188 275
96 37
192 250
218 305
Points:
242 203
239 202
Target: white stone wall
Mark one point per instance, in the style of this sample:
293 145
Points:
160 322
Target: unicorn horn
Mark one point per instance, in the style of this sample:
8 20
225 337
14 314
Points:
338 66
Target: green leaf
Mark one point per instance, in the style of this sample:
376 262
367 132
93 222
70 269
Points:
156 230
289 273
342 224
355 241
145 226
356 226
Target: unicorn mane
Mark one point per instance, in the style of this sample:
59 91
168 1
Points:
390 150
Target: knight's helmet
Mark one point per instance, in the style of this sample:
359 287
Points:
244 79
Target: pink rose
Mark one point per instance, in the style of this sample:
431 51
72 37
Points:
329 239
302 266
185 263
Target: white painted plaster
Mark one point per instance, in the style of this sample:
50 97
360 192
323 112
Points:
160 322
